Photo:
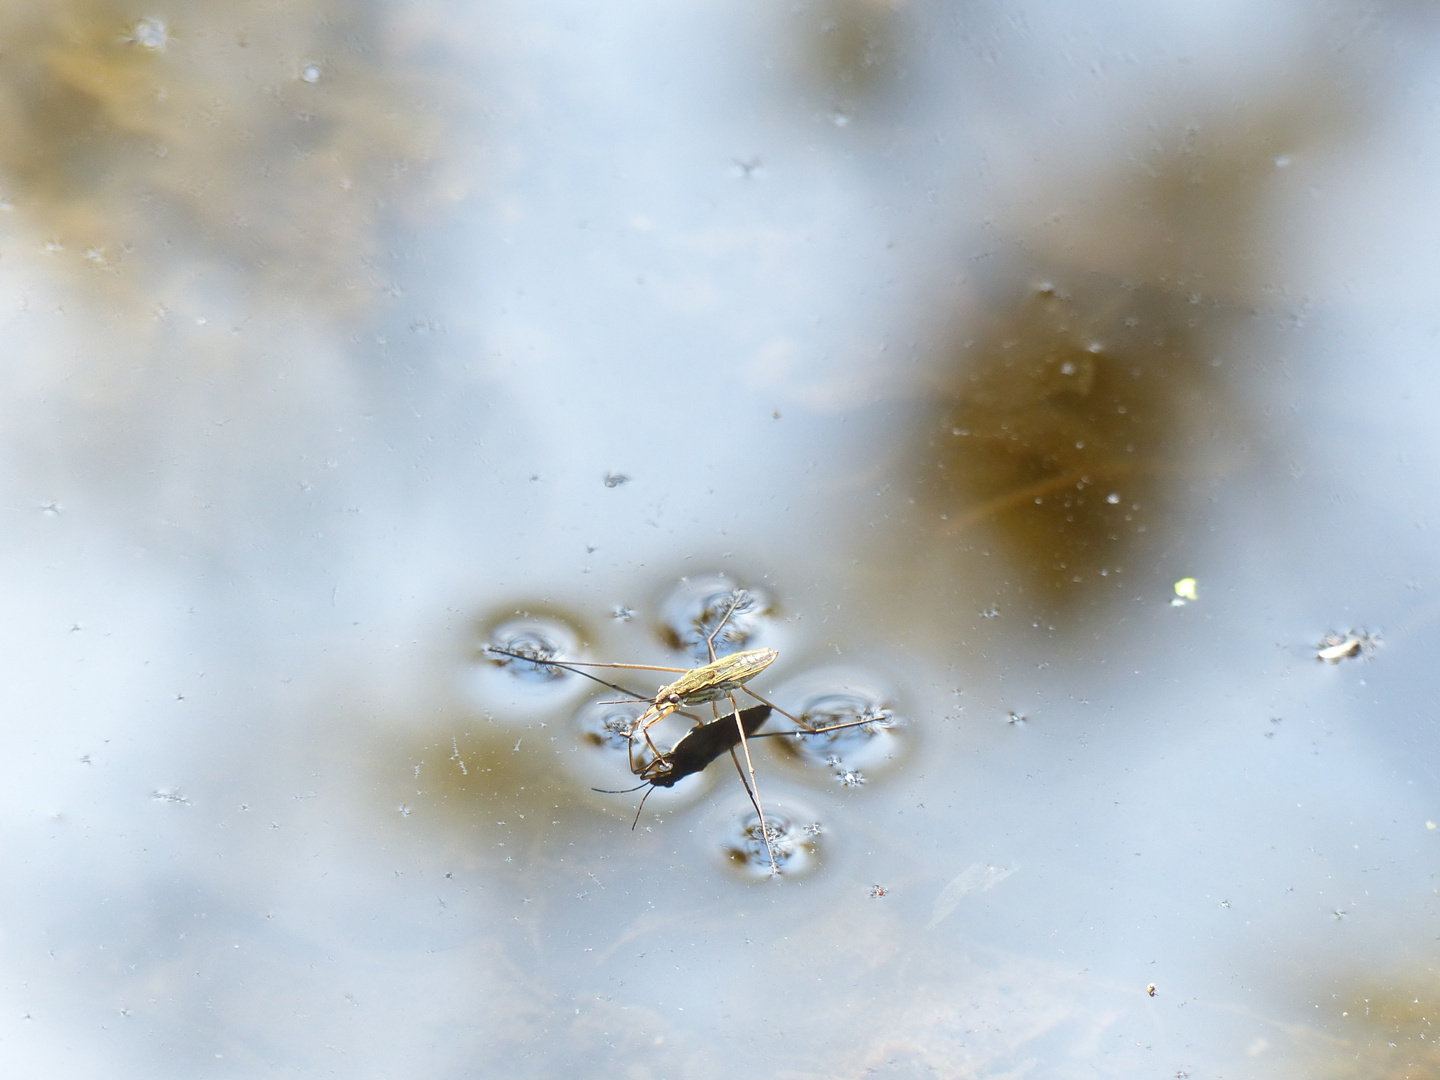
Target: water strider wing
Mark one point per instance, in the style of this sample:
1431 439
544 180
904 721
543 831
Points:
717 678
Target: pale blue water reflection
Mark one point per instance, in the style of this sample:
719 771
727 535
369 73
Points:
570 317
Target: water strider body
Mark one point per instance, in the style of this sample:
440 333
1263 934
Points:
711 682
696 686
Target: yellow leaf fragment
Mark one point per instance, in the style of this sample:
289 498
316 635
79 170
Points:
1184 591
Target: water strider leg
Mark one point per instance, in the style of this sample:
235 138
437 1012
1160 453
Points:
702 683
794 719
710 641
752 788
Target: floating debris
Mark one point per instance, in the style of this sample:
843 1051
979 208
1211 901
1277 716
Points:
1336 647
845 777
1184 592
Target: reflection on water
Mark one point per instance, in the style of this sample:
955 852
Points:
1384 1029
213 190
714 612
512 650
278 147
1074 418
850 46
1190 207
271 807
1095 388
869 738
795 846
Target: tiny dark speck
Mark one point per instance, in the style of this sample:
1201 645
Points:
615 479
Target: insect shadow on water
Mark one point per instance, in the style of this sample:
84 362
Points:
693 753
720 678
702 744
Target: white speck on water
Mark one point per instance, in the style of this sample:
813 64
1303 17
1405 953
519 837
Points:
150 34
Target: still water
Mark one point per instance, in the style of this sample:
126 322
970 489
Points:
1057 382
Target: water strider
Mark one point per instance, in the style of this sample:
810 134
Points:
702 744
696 686
719 678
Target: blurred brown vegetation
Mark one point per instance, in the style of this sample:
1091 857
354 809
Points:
272 141
1093 389
1067 421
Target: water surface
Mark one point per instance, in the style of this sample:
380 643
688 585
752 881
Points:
344 339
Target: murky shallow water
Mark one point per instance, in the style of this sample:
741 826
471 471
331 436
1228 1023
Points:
342 341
